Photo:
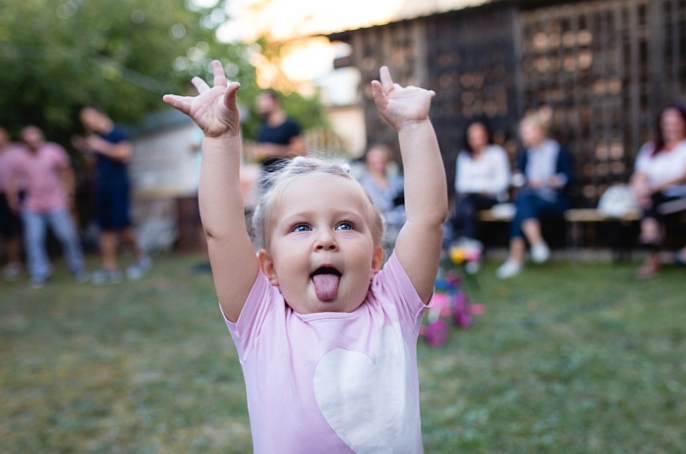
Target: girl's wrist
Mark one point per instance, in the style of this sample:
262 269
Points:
412 125
221 140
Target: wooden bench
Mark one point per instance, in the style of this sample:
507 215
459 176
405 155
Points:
574 219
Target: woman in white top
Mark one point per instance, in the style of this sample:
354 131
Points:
482 177
659 177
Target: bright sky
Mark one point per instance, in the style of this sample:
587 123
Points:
284 20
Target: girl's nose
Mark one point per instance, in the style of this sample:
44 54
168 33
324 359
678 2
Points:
326 240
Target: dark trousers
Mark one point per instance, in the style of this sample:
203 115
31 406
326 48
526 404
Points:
467 207
531 206
670 222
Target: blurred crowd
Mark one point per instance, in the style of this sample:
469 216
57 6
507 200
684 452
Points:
37 189
37 193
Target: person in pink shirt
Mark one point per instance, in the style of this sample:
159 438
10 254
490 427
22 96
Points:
326 336
10 223
49 180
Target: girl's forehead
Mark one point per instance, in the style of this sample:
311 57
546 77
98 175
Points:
313 189
326 181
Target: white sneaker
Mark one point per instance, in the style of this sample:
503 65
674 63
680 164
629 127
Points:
139 269
540 252
11 271
106 277
508 269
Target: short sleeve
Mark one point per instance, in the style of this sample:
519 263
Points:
17 166
260 303
59 156
293 129
393 284
117 135
643 157
501 180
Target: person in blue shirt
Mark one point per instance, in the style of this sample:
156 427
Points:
543 177
110 147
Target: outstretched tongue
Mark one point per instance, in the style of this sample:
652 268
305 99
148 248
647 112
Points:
326 286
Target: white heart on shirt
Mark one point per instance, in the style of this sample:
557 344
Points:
372 407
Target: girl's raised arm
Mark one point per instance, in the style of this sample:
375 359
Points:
233 259
418 246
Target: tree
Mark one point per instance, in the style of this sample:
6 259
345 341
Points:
121 55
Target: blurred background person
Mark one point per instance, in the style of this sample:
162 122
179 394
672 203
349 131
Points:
660 176
279 137
385 187
544 172
482 178
10 222
110 146
49 178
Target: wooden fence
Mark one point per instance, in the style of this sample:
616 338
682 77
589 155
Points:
605 67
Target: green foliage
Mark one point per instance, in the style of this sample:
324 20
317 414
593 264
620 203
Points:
121 55
308 112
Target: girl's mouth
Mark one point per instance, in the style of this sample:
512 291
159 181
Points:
326 280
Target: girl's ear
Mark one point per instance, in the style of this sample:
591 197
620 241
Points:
377 260
267 266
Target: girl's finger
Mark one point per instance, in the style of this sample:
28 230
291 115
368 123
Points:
177 102
219 76
230 94
386 80
379 95
200 85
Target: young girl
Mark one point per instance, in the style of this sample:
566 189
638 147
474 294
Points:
326 339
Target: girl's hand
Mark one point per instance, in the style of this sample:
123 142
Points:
400 106
214 109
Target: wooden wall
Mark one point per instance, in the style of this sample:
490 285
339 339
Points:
605 67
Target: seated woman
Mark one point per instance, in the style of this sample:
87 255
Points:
482 177
544 174
385 188
659 177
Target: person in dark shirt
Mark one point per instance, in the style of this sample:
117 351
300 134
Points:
111 149
279 138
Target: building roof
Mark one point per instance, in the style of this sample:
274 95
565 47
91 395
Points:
283 20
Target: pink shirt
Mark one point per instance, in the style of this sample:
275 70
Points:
333 382
7 158
42 171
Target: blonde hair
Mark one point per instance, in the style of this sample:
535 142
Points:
263 217
541 118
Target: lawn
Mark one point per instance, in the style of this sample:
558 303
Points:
566 359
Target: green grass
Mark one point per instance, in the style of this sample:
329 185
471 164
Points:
567 359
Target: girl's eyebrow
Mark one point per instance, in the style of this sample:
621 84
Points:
307 214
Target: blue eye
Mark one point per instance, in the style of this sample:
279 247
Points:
301 228
344 226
